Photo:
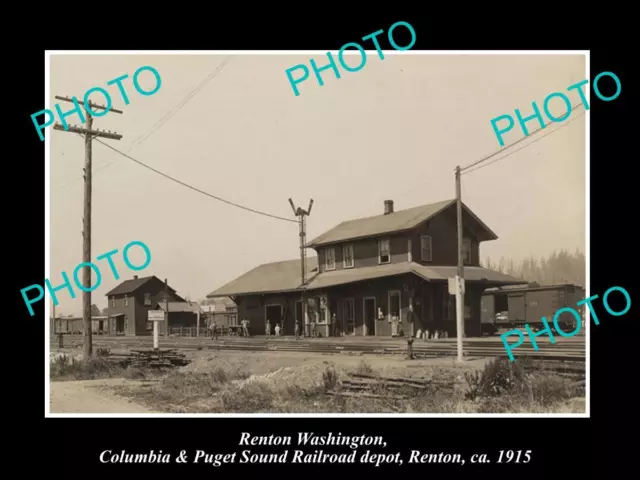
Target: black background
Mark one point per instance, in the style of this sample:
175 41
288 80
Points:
559 446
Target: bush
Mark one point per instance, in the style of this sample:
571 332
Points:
64 367
329 378
499 376
509 380
364 368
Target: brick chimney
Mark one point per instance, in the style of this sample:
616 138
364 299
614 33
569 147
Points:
135 277
388 207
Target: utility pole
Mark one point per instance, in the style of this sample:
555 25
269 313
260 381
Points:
302 215
460 276
166 309
89 135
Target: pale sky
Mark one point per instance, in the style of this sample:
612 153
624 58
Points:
394 130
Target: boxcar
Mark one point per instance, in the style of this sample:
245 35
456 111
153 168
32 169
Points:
528 305
75 325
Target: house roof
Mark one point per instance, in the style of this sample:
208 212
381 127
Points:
530 288
180 306
130 286
471 274
285 276
269 277
398 221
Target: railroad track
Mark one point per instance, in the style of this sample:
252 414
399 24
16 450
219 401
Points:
561 351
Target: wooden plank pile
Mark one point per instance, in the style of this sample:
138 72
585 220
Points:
151 358
373 386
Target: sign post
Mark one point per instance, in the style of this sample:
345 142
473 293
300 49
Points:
155 316
456 287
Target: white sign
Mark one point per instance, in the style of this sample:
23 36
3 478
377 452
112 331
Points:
456 283
156 316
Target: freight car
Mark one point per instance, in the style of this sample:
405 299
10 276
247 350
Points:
513 307
75 325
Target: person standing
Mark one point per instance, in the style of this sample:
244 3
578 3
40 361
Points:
334 325
277 329
296 330
214 330
268 328
312 327
245 327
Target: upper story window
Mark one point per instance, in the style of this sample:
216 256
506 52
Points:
330 260
347 256
126 301
113 304
147 299
466 250
425 248
384 251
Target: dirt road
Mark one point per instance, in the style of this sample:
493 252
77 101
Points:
90 396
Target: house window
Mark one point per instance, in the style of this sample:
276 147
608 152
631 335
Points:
126 301
467 312
384 251
347 256
113 304
149 325
147 299
330 260
533 303
466 250
425 248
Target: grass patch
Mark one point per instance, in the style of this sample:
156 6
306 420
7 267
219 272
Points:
501 387
505 386
66 368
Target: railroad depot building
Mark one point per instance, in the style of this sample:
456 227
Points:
129 302
384 275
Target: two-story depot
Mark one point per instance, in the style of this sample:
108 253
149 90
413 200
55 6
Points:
385 275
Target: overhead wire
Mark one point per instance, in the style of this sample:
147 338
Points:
194 188
524 146
477 162
155 127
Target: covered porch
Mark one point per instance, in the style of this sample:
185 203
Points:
116 324
398 300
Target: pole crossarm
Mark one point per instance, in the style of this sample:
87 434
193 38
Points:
86 131
91 104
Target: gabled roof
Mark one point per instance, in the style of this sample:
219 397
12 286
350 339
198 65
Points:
429 273
219 304
130 286
531 287
285 277
395 222
269 277
180 307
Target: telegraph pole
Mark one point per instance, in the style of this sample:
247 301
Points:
89 134
459 289
302 215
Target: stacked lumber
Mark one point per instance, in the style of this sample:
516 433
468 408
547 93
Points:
374 386
151 358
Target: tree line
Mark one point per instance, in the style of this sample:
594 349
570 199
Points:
559 267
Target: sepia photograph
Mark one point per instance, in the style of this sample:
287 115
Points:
274 233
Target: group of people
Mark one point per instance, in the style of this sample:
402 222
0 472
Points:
334 330
215 330
431 334
268 329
